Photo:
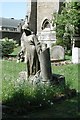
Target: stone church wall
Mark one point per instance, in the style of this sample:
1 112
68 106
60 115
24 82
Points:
45 10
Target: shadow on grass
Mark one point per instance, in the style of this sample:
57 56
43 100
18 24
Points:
19 106
68 108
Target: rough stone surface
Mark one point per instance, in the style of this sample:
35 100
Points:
45 10
45 65
37 13
57 53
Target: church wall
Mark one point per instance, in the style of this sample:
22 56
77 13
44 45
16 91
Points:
39 12
45 10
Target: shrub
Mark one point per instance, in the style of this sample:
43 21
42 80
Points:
68 52
58 42
7 46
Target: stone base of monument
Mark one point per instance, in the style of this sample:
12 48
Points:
37 79
58 79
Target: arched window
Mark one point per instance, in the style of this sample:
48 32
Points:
45 24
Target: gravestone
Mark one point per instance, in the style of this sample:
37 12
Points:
57 53
75 55
76 50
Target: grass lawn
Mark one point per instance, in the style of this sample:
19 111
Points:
11 69
62 109
9 72
67 57
71 73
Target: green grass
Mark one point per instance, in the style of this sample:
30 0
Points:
67 57
71 73
8 74
65 109
11 69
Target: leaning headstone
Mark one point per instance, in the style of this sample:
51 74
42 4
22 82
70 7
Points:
57 53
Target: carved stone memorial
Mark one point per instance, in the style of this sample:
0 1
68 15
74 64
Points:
57 53
37 57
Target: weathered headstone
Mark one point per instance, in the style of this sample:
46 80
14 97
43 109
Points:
75 55
76 50
57 53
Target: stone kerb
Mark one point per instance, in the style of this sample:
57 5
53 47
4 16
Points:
57 53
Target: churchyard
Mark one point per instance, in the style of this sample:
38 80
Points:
21 98
52 88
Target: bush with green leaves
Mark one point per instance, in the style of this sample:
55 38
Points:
7 46
67 23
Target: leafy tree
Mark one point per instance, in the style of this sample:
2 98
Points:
68 22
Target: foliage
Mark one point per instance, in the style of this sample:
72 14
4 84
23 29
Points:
16 50
7 46
59 42
68 22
